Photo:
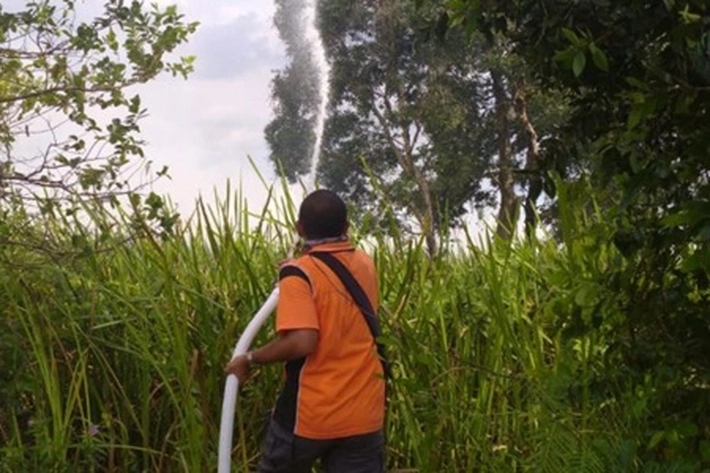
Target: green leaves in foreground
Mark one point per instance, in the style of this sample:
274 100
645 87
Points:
512 358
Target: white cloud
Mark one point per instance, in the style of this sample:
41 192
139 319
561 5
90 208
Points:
204 129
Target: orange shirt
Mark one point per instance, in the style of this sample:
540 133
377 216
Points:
339 389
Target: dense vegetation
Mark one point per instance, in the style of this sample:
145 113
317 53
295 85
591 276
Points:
444 105
581 346
504 358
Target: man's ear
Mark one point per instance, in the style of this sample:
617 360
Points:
299 229
346 227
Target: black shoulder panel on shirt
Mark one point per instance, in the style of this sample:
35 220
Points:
286 409
287 271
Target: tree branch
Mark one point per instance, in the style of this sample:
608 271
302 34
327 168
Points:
54 90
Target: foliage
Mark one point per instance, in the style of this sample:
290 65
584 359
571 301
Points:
639 76
433 129
583 352
113 360
401 113
69 119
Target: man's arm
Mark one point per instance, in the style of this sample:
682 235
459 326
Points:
289 345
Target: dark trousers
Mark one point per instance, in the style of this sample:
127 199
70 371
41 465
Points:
284 452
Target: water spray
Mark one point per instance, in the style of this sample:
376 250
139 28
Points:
231 388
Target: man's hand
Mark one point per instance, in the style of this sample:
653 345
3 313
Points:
289 345
239 367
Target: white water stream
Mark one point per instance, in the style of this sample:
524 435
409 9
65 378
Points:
231 388
321 63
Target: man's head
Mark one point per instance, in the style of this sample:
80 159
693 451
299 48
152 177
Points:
322 215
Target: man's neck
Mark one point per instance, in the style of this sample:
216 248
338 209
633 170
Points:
308 245
321 241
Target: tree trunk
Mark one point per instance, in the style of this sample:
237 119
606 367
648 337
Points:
507 212
427 223
532 166
426 215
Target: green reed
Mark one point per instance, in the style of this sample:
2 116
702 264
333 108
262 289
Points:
116 346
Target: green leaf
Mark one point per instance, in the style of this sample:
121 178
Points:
580 60
699 260
635 117
704 450
586 295
633 82
703 233
571 36
442 26
598 57
688 429
112 41
656 439
645 106
565 57
688 17
691 213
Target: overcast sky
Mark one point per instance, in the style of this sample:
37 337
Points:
205 128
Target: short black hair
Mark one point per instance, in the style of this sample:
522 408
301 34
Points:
323 215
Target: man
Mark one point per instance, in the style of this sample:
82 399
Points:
333 401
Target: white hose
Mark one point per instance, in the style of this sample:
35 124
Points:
231 387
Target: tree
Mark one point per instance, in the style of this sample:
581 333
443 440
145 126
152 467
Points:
66 88
638 74
397 112
527 114
430 129
401 113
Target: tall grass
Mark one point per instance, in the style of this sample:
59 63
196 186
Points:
112 351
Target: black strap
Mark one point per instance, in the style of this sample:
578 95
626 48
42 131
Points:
360 299
289 270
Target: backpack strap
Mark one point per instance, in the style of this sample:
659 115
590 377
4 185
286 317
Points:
361 300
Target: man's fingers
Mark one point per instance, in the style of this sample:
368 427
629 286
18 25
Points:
239 367
233 365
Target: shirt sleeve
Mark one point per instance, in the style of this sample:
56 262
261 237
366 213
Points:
296 308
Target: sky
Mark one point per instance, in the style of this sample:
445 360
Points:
205 128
